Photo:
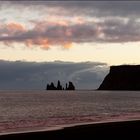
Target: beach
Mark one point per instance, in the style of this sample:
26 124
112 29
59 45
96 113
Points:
119 129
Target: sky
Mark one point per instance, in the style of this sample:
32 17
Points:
46 37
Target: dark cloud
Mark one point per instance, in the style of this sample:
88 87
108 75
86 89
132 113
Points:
100 8
119 30
78 8
33 75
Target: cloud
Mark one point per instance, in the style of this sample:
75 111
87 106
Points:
77 8
46 34
92 8
33 75
120 31
55 23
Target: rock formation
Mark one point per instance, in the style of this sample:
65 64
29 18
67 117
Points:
59 86
51 86
124 77
70 87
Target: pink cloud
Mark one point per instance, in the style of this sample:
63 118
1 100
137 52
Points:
45 34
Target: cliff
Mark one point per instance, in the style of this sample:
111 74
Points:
124 77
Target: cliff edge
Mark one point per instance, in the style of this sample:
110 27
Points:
124 77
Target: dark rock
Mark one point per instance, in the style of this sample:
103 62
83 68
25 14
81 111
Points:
124 77
51 86
59 87
70 87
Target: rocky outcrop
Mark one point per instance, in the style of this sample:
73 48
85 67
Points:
70 87
124 77
51 86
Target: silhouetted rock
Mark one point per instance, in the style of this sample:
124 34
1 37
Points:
71 86
124 77
59 87
51 86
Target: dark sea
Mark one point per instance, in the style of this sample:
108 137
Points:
30 109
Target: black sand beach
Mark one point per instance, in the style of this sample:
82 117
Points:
113 130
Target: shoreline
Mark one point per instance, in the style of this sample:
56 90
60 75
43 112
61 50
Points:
60 122
84 130
50 124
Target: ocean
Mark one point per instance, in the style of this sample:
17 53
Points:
39 109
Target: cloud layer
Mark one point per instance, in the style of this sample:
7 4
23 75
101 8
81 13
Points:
63 23
46 34
32 75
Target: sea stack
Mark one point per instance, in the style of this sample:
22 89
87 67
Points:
123 77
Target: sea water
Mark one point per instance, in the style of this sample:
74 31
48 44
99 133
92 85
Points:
62 107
